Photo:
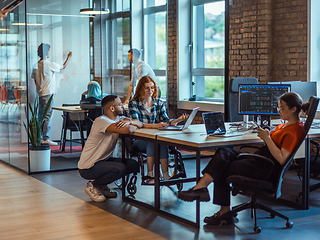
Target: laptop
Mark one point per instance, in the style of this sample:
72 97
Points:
215 126
182 127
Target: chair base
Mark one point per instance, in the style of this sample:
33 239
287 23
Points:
254 205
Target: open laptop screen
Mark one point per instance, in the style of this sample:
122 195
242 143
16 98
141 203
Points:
214 123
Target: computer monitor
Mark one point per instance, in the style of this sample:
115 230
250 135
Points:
304 89
260 99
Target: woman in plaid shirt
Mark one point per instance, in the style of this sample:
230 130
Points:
151 111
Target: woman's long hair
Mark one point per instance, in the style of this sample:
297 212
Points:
140 88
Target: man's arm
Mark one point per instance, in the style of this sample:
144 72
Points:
4 13
134 122
123 129
67 60
128 95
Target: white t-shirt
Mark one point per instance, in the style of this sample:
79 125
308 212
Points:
43 74
100 143
140 70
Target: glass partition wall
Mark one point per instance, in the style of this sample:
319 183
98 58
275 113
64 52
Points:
60 24
13 91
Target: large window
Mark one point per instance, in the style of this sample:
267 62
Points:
155 40
117 42
207 48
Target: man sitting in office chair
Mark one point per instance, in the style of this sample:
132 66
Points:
96 162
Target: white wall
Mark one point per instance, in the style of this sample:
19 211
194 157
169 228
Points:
65 31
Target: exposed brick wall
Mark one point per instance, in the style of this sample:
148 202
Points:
172 58
268 40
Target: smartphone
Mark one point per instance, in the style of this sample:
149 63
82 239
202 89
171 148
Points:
255 124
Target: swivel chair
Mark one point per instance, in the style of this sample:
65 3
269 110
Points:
257 188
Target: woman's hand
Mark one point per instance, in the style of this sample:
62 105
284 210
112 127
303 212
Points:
183 117
161 124
263 133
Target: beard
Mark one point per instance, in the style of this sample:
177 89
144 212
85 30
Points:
120 112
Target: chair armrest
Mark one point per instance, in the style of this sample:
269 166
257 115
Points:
246 155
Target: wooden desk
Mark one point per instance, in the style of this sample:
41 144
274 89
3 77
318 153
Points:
193 138
75 113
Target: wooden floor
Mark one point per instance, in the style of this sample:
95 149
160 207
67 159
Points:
31 209
55 206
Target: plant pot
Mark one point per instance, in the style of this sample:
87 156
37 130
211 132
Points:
39 157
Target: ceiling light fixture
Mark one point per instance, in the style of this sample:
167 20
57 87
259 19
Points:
94 11
28 24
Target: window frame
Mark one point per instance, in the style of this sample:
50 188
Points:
149 11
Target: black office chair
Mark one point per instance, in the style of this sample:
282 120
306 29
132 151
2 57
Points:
233 96
265 187
71 122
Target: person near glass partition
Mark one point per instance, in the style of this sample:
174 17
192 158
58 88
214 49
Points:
43 74
140 69
279 144
92 96
96 162
147 108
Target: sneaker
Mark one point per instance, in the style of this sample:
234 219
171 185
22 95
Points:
216 219
105 190
48 141
201 194
94 193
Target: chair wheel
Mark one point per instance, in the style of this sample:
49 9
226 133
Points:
272 215
257 229
132 189
289 224
222 223
118 183
180 186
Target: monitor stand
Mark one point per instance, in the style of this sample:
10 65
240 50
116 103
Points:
246 121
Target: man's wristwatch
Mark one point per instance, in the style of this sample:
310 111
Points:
131 123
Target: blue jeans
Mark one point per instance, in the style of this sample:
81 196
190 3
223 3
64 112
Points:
47 119
148 147
106 171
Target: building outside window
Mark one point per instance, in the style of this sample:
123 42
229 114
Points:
207 49
154 47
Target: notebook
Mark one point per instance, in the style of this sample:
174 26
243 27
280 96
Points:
215 126
186 125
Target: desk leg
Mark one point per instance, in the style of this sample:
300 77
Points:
65 132
198 178
81 133
306 176
157 175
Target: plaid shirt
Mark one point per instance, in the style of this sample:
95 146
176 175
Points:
139 112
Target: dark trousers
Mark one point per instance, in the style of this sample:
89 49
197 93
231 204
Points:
106 171
225 163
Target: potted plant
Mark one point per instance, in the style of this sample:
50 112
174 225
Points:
39 154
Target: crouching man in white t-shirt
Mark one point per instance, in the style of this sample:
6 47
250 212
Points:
96 162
